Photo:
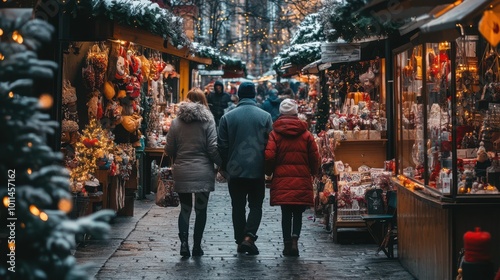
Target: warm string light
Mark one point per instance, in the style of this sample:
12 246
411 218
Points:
16 36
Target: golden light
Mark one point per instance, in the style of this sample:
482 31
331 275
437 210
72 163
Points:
34 210
16 36
11 94
12 246
65 205
45 101
23 225
6 201
29 171
1 31
30 144
44 217
2 57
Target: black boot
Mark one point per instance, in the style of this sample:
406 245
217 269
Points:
288 247
183 236
294 249
197 251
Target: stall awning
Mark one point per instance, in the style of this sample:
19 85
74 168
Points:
315 67
403 9
462 13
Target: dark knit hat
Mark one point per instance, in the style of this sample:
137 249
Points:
246 90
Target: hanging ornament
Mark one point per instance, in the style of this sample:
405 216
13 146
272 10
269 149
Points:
489 26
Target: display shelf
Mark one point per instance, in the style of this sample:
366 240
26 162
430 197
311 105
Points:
356 153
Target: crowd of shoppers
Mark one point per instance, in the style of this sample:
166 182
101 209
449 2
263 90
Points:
247 143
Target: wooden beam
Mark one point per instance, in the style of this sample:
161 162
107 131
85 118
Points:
147 39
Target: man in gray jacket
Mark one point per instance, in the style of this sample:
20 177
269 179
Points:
242 139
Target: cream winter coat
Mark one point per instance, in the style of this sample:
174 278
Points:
192 143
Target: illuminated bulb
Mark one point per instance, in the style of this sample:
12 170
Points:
1 31
11 94
44 217
2 57
45 101
17 37
6 201
30 144
65 205
34 210
29 171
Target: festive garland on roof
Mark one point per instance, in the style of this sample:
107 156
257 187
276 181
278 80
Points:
218 59
309 30
345 21
146 15
201 50
300 54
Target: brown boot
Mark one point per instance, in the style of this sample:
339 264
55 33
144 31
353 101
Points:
288 247
294 250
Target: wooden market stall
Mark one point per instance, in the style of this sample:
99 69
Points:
445 134
124 76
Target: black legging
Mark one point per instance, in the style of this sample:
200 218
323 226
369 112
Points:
289 212
200 208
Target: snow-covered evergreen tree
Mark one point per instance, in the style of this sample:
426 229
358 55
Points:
34 186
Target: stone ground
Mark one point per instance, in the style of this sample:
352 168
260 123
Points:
146 246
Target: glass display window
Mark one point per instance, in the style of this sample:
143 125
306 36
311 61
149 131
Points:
448 117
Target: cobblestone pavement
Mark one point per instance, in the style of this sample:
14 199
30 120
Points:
146 246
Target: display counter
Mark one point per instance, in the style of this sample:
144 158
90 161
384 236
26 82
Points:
362 152
430 232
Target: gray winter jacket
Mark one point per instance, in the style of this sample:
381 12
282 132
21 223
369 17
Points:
243 134
192 143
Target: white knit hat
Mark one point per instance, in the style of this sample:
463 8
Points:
288 107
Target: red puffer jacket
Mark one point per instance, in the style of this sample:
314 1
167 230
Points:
292 157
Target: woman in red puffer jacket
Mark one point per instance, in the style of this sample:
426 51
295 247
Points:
291 158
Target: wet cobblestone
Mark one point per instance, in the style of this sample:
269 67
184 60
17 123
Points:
146 246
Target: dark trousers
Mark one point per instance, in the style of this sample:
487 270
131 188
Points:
241 190
200 208
291 220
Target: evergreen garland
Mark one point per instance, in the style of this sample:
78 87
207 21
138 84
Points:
146 15
309 30
34 185
300 54
345 21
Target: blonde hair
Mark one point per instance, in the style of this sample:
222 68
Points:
197 95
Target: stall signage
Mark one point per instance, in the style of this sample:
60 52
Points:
340 52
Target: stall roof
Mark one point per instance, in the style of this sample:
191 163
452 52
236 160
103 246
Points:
461 13
315 67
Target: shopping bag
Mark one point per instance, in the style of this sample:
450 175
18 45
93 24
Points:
165 194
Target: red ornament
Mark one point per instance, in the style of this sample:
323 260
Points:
477 246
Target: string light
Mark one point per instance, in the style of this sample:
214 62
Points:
45 101
6 201
65 205
11 94
44 217
16 36
29 171
34 210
